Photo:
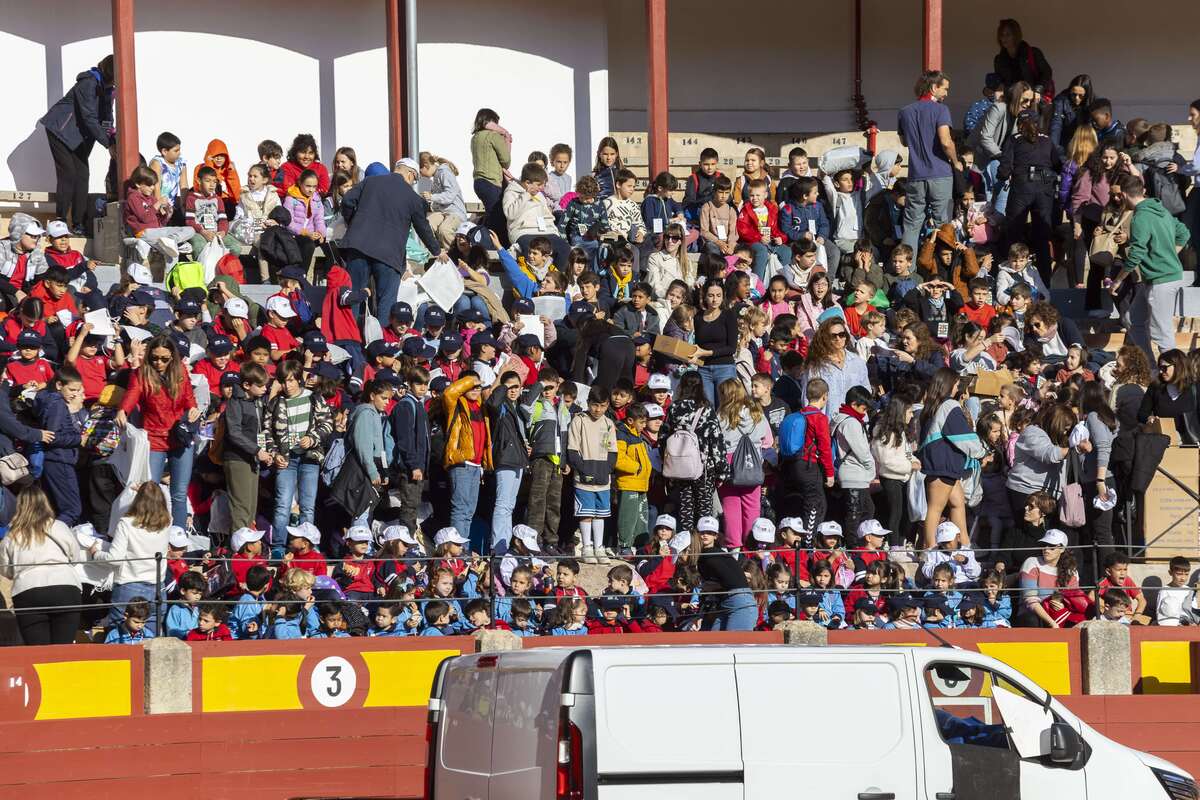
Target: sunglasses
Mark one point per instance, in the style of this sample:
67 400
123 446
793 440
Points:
161 359
839 335
674 238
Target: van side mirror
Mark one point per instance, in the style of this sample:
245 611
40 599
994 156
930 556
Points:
1065 744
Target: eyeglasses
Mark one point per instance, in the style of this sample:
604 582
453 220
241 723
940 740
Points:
1165 367
160 359
839 335
673 238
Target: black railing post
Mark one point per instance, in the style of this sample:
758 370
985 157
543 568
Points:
158 593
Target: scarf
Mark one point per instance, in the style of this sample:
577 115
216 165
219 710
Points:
850 412
294 191
622 284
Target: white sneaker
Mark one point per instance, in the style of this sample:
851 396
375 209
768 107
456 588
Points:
169 248
589 556
184 248
608 551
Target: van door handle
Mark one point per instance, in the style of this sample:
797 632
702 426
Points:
876 796
944 796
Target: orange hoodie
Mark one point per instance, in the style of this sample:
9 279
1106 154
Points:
227 174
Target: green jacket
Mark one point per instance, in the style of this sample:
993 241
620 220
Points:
1153 239
491 155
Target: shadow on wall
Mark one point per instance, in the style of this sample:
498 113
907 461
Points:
322 33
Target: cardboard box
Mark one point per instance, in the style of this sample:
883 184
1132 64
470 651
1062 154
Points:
988 382
1111 342
675 348
1171 516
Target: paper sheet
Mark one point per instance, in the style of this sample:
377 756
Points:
551 307
101 322
443 284
530 324
137 334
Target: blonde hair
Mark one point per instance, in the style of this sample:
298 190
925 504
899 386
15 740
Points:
148 510
1083 143
733 399
756 316
32 519
428 159
295 579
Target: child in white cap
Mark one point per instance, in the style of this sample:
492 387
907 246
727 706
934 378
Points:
961 560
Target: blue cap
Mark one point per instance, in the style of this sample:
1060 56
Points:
141 297
439 384
937 602
315 342
450 342
375 168
967 603
482 339
402 312
29 338
381 348
611 602
230 379
903 601
806 598
220 345
434 317
638 341
866 604
523 305
326 370
526 341
470 315
389 377
415 347
187 308
183 345
294 273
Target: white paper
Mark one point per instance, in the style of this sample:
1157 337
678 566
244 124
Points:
541 225
812 227
658 225
532 325
436 373
101 322
136 334
64 316
408 293
552 307
721 232
443 284
583 391
337 354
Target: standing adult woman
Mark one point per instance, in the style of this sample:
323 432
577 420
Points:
947 441
299 424
82 117
717 337
1174 395
832 361
690 410
998 126
1033 164
1069 110
1038 458
740 416
491 155
38 555
160 389
141 535
1094 477
721 574
1020 61
1090 196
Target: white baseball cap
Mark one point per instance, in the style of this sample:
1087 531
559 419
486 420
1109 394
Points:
665 521
763 530
449 534
359 533
305 530
1054 538
58 228
528 537
654 410
281 306
177 537
871 527
707 525
34 229
829 528
792 524
659 382
947 532
393 532
407 163
681 541
140 273
244 536
464 229
236 307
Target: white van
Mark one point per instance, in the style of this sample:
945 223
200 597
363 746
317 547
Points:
767 722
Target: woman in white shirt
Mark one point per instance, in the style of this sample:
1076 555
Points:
140 535
38 556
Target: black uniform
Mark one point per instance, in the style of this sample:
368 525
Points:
1033 168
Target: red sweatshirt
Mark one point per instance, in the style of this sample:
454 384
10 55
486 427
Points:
140 214
816 432
599 626
748 224
312 561
981 315
160 411
218 634
363 580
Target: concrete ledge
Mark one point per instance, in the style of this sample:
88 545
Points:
168 678
492 641
1107 666
803 632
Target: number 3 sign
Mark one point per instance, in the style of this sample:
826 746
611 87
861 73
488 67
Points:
333 681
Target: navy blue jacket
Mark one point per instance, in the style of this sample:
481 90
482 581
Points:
379 212
793 220
410 431
82 115
53 415
607 178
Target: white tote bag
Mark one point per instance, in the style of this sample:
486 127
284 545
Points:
209 256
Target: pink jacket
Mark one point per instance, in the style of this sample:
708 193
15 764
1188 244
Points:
308 216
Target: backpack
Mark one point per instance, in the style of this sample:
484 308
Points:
187 275
793 433
1162 186
216 448
101 431
747 464
231 265
681 454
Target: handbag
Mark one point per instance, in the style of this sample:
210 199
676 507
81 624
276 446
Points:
210 256
1071 509
915 495
14 468
352 488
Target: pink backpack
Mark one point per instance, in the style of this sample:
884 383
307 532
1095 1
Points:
681 453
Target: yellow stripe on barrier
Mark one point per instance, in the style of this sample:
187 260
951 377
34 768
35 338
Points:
78 689
250 683
402 678
1166 668
1043 662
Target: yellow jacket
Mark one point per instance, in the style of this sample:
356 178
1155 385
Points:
460 438
633 461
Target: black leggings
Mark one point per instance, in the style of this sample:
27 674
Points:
1037 200
48 627
895 510
71 187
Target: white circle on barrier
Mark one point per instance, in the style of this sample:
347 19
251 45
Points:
333 681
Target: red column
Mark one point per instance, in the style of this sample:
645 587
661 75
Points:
656 48
397 74
933 34
125 73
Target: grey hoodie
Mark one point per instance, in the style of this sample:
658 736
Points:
1037 463
36 263
857 467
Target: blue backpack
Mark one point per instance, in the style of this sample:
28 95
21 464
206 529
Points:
793 433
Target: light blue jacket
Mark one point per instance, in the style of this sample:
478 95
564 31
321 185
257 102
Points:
181 618
248 609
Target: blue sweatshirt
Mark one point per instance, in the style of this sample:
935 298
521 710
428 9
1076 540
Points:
181 618
248 609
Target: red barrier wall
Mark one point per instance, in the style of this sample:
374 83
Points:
1168 727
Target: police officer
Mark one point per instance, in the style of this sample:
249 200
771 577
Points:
1032 163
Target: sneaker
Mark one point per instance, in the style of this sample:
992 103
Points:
589 556
608 551
184 248
169 248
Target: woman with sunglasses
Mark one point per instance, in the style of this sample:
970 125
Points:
161 390
670 263
1173 395
998 126
831 359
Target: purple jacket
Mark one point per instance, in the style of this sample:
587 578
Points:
310 218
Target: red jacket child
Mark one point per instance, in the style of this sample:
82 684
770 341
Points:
980 315
749 227
600 626
360 577
1076 608
218 634
818 446
311 561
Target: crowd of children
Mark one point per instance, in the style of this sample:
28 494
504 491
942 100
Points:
746 395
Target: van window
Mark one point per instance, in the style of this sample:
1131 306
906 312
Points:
964 704
470 698
526 715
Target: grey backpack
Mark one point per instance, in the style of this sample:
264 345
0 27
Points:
747 463
681 453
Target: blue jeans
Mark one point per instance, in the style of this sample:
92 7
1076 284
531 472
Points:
762 255
298 476
468 301
932 197
714 376
387 282
508 483
997 192
464 496
177 463
122 593
738 612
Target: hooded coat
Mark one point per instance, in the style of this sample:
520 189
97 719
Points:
83 115
230 187
963 266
